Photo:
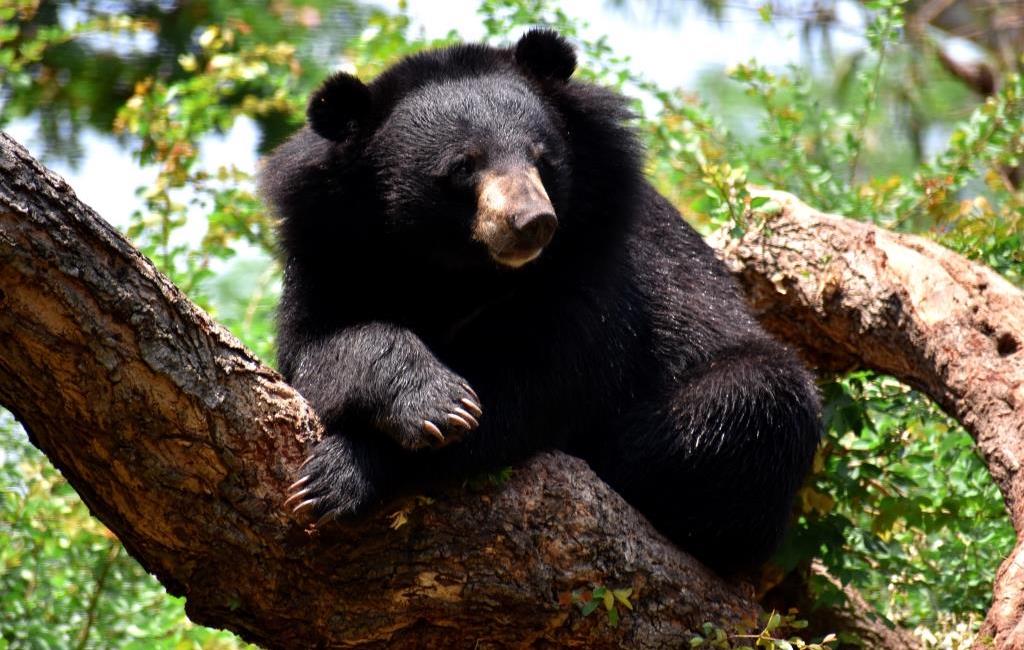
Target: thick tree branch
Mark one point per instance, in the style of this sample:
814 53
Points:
183 443
851 295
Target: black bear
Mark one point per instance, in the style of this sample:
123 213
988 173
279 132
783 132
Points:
476 270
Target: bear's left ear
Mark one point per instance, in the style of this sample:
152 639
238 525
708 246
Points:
544 54
339 107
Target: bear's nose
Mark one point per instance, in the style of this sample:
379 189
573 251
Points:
535 227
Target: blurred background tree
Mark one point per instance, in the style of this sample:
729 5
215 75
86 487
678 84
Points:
918 127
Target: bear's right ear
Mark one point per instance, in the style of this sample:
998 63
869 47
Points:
338 107
546 55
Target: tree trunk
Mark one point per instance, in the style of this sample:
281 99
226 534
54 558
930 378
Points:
850 295
183 443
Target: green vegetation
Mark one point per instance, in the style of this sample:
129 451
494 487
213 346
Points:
610 600
899 505
772 636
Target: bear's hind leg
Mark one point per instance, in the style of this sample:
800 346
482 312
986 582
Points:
715 464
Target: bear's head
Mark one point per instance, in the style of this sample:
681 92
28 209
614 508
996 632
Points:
461 144
464 156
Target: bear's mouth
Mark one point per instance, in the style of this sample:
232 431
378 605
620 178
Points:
515 259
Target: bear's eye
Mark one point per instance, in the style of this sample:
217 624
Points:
461 168
541 157
542 160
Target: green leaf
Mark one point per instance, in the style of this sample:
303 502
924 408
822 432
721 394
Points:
608 599
622 596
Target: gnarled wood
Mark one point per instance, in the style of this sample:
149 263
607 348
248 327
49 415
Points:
851 295
183 443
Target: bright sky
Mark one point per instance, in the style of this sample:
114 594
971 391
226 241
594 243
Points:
671 53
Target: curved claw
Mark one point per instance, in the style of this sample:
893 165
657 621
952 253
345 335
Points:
299 483
297 495
306 462
469 389
465 415
472 406
456 420
432 429
305 504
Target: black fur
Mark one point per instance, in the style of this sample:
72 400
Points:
544 57
625 342
338 107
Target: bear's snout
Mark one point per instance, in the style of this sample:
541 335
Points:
515 218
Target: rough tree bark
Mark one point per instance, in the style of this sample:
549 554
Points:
182 442
850 295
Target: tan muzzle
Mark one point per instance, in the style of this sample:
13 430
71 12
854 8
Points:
514 216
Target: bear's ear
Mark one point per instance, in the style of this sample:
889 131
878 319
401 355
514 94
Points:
546 55
338 107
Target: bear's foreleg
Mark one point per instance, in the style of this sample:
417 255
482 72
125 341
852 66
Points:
362 380
384 376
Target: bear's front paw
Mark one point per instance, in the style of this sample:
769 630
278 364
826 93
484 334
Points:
436 414
333 484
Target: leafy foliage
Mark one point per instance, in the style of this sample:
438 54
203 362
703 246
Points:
898 505
73 65
610 600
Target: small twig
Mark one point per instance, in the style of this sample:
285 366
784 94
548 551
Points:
94 598
869 101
